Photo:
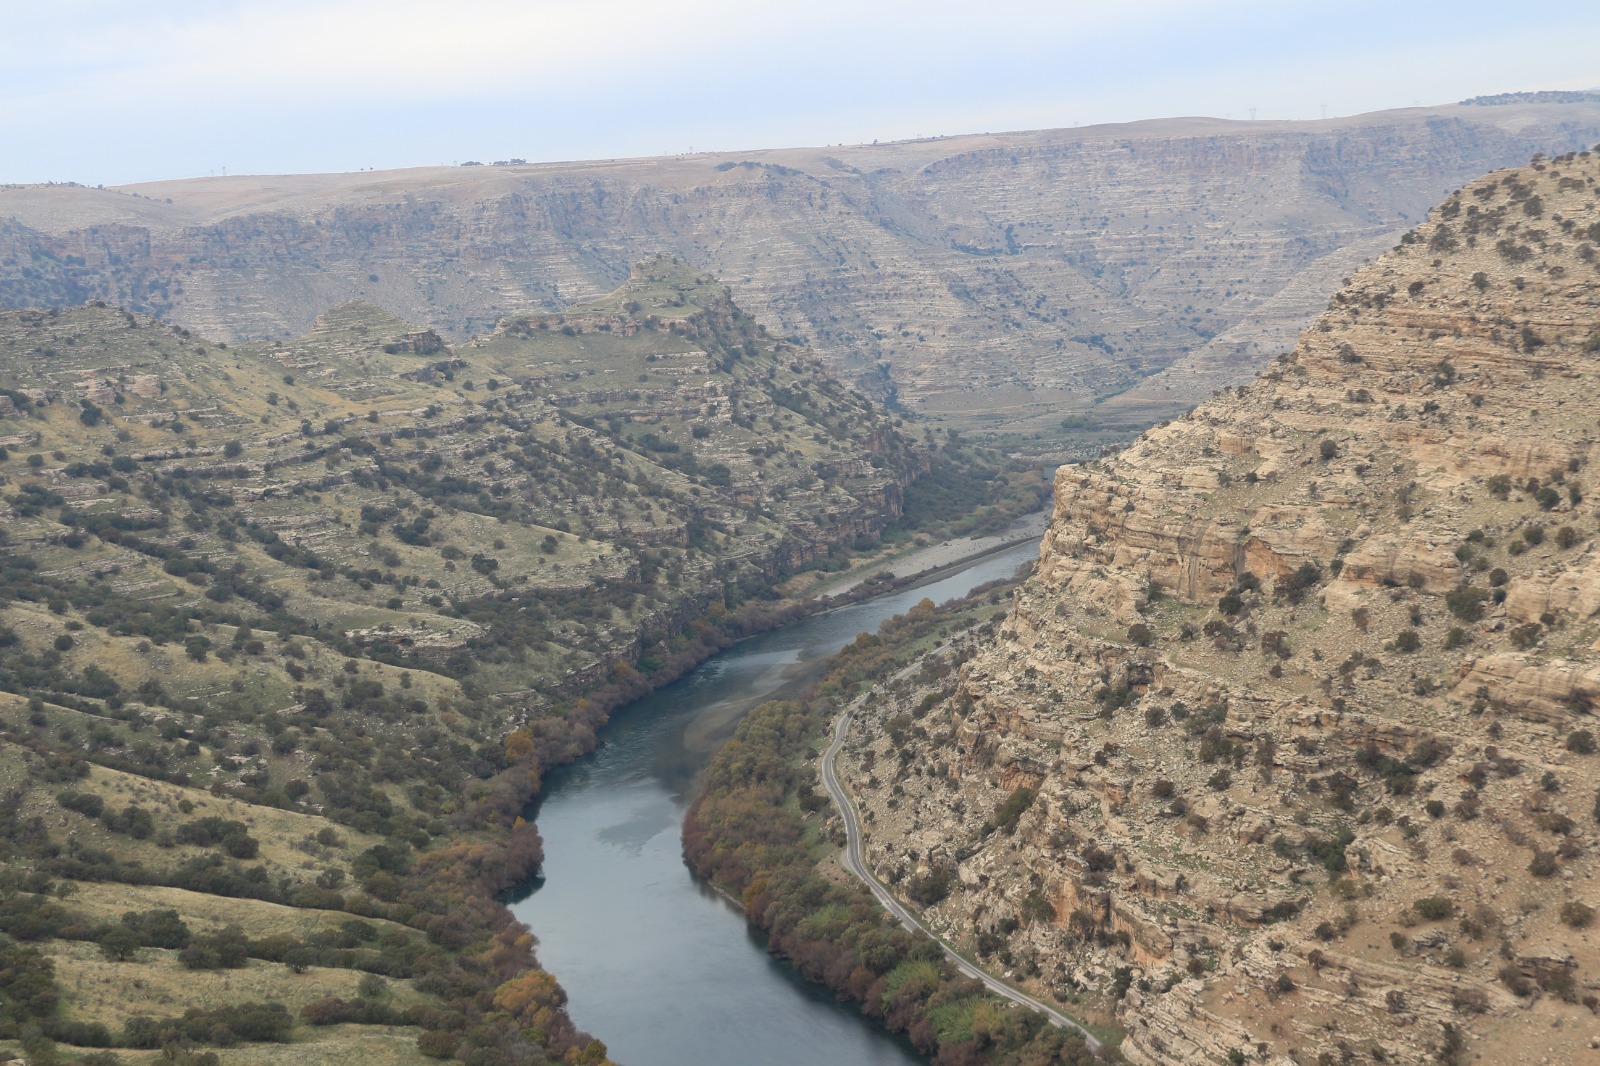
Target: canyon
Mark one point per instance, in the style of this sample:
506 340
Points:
1114 275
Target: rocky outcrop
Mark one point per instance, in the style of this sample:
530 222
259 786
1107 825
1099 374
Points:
1286 751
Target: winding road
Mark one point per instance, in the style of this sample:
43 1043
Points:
856 864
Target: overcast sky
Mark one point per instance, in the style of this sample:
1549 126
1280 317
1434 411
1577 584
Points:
114 91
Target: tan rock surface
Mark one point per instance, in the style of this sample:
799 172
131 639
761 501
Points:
1317 651
1020 274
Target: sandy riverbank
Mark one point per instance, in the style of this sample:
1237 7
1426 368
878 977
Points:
934 557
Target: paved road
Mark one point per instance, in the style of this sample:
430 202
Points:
854 862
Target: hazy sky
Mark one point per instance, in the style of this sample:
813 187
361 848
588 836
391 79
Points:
111 91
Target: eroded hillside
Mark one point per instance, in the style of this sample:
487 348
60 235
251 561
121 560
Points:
290 631
1017 277
1287 752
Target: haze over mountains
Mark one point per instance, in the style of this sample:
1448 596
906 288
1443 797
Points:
1017 276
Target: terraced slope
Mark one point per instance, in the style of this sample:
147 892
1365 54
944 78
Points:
1002 280
289 632
1287 751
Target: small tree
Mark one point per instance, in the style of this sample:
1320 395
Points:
119 943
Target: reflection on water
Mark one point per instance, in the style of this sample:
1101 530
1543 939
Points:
659 966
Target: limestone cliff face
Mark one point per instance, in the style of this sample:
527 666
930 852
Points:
1021 271
1317 651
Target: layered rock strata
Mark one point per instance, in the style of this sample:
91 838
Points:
1014 272
1287 749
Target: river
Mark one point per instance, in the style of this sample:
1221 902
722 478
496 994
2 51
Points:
656 964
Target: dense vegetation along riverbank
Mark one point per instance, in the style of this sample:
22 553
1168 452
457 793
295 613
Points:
755 831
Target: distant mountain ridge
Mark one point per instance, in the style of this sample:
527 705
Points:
1011 276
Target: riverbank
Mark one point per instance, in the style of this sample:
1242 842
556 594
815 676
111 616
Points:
756 831
923 562
650 957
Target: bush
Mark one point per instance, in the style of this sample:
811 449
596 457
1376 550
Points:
1005 818
1576 914
119 943
1304 578
1466 602
929 888
87 804
1514 980
1543 864
1407 641
438 1044
1581 741
1434 908
1526 636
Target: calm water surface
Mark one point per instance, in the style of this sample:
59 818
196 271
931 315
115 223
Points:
658 966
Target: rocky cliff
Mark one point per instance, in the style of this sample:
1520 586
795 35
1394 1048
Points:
1020 273
1286 753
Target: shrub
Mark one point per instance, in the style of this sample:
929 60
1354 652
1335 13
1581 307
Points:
1329 450
87 804
119 943
1543 864
1526 636
929 888
1466 602
1576 914
1304 578
1581 741
1005 818
438 1043
1514 980
1407 641
1434 908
